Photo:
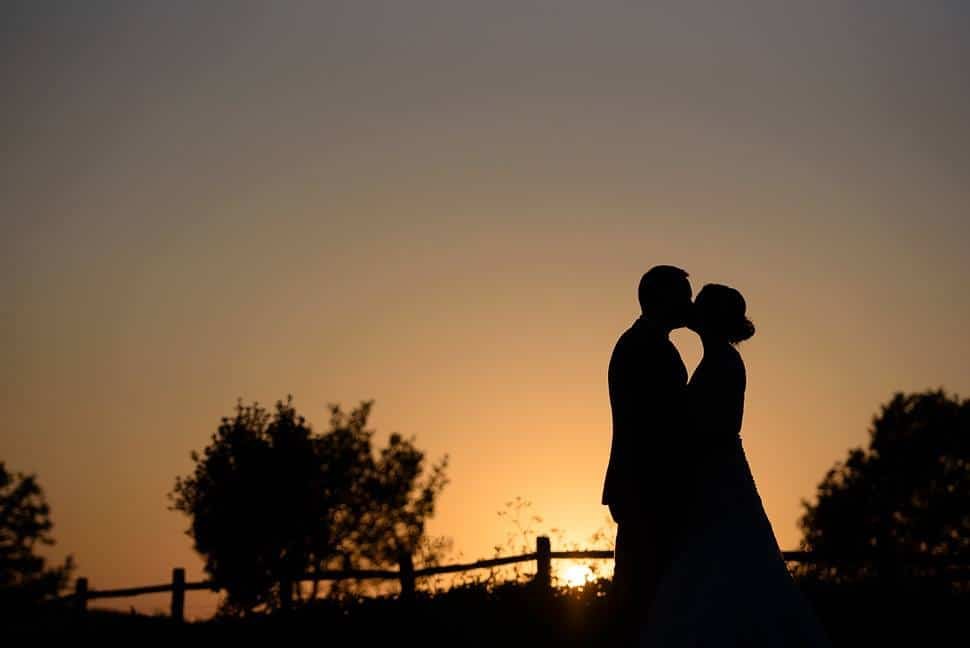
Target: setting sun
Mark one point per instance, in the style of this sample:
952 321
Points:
577 575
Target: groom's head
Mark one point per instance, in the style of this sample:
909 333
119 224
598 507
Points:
665 296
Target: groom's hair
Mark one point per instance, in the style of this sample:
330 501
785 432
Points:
660 285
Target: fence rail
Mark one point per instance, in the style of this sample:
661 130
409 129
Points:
406 574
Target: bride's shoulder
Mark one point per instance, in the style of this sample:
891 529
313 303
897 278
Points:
735 357
728 360
726 353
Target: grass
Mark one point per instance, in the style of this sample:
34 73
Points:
508 615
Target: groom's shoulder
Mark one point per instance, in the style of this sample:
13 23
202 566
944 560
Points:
625 346
633 335
638 339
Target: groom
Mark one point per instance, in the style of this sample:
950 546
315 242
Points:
647 384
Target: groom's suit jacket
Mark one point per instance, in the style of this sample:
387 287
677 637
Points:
647 383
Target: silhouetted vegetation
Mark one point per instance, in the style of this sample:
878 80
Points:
25 523
270 500
906 496
511 615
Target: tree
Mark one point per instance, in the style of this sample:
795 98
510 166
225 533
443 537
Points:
24 524
906 495
271 501
380 518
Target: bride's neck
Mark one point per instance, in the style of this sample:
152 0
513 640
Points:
715 343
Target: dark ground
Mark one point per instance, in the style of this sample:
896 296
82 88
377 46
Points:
507 616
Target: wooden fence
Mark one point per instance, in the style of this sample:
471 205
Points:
406 574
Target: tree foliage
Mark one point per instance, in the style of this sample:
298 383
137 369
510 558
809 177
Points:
906 495
25 525
271 501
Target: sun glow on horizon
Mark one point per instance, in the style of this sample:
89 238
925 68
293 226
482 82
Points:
577 575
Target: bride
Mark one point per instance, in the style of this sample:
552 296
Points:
729 586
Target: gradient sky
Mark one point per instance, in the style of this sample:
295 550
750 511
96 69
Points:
446 207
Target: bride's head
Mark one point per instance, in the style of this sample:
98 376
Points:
718 313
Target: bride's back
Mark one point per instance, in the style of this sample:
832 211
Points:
722 479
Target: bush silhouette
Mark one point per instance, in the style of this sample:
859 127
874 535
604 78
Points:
907 495
25 578
271 501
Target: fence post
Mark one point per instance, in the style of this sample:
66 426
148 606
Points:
406 567
544 563
286 594
178 594
81 595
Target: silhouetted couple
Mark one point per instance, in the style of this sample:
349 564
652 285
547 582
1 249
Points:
697 563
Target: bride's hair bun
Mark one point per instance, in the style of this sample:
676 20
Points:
741 331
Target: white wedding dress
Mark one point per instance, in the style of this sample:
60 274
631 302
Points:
729 585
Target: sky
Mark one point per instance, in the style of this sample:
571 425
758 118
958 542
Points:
446 207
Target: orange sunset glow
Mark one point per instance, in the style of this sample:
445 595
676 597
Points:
446 208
